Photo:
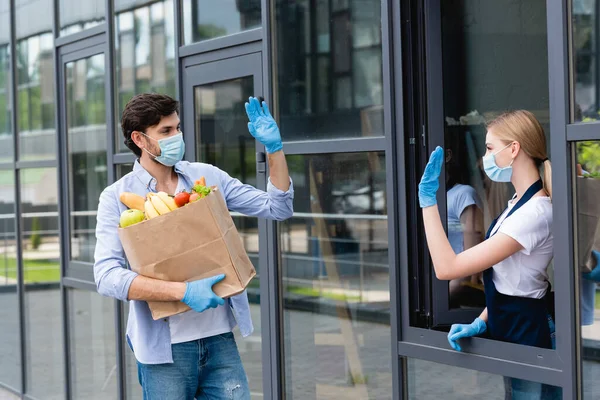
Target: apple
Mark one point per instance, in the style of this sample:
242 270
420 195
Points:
130 217
181 199
194 196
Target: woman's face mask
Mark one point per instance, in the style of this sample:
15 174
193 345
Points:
493 171
172 149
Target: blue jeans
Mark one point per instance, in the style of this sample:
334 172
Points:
526 390
208 368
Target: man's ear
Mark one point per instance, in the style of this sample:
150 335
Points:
136 137
448 155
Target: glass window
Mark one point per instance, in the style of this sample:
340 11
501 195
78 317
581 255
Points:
123 169
479 85
329 69
93 361
75 15
586 49
35 80
10 361
145 52
335 277
41 274
6 132
223 140
587 245
202 20
86 137
429 380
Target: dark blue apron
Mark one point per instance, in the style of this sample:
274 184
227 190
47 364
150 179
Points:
515 319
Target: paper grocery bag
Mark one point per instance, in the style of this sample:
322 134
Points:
588 222
195 241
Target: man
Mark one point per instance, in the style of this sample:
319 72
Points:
190 355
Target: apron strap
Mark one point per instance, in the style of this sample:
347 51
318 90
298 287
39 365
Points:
533 189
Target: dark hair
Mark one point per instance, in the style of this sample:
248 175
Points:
457 168
143 111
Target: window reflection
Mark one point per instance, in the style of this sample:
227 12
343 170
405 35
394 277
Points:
429 380
585 42
335 278
145 52
6 138
86 130
76 15
329 69
35 80
41 275
10 362
93 356
587 245
202 20
39 224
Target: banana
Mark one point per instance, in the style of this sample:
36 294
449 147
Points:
149 209
159 205
168 200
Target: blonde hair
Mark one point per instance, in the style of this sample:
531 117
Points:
522 126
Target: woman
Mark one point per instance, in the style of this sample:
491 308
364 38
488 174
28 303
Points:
518 248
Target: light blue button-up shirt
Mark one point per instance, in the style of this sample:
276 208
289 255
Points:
150 339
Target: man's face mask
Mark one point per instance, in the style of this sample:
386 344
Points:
493 171
172 149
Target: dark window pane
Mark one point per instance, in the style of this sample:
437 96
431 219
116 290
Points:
202 20
429 380
123 169
335 277
586 49
10 362
41 273
35 80
329 69
77 15
145 52
223 140
587 245
86 131
92 342
478 85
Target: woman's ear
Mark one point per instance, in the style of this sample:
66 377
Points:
448 155
515 149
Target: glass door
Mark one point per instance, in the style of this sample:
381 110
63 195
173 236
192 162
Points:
215 122
89 320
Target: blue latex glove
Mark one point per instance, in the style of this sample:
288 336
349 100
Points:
430 179
458 331
595 274
199 295
262 125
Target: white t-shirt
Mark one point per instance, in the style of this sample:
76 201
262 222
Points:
524 273
192 325
458 198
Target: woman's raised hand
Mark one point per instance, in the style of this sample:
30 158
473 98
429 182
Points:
430 179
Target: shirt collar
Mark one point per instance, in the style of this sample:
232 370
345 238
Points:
147 179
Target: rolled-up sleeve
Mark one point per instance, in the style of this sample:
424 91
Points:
246 199
112 277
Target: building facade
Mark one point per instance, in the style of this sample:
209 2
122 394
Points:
345 304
